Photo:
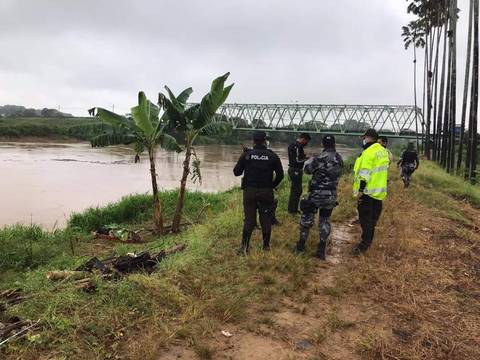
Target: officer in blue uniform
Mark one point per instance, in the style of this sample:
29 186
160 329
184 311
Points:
326 169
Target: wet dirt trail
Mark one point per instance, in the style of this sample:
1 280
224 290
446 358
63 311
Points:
320 326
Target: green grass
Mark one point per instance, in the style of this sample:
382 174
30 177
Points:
434 178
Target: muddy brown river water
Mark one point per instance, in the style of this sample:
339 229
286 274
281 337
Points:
44 183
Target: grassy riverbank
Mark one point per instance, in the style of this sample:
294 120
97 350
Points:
414 296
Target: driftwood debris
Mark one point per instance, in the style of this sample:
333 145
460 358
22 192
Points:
120 265
13 327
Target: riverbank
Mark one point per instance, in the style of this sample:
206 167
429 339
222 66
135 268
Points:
415 294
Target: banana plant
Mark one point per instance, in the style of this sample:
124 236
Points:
145 129
191 122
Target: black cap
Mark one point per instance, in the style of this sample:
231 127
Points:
371 133
259 136
328 141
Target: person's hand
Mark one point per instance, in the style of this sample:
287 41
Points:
360 195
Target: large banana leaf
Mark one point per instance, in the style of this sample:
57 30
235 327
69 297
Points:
109 117
145 115
175 117
184 96
212 101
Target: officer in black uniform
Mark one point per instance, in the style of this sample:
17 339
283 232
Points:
257 166
296 160
409 162
326 170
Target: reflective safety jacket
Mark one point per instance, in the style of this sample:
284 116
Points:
372 167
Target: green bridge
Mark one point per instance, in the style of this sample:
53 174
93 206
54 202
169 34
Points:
400 121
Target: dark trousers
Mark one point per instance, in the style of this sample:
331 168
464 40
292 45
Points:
369 210
261 200
295 176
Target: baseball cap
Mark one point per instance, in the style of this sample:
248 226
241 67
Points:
260 136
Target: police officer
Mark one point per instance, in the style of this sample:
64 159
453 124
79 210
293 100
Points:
296 160
326 170
409 162
257 166
370 186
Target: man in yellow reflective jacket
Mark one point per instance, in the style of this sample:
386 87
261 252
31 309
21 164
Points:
370 186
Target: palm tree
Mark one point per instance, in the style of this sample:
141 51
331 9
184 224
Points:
413 34
465 86
145 130
473 120
193 121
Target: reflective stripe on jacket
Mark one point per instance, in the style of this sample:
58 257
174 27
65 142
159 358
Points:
372 167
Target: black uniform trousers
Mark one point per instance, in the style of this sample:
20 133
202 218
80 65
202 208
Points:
296 189
369 210
260 199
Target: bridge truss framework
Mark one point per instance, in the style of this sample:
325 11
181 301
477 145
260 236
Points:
350 120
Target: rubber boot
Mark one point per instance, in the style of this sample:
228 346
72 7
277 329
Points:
321 250
266 241
300 248
245 247
325 229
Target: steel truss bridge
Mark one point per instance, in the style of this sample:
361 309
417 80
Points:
400 121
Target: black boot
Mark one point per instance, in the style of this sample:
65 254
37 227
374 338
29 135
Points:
300 248
321 250
325 229
245 247
266 241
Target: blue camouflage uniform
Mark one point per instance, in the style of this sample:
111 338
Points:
326 169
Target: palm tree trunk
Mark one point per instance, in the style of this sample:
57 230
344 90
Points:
415 85
453 91
474 96
181 195
440 119
157 207
435 96
446 113
465 88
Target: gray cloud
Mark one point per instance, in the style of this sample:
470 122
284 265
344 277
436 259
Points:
82 53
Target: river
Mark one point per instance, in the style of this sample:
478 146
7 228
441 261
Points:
43 183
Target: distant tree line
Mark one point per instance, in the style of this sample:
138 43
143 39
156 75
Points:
10 111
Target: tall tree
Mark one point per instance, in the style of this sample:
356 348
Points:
465 87
473 120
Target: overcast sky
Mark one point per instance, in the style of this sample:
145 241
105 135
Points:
84 53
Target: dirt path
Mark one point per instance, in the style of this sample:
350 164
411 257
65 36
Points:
314 324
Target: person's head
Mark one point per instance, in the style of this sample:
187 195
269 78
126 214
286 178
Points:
411 145
304 139
383 140
370 136
260 138
328 142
